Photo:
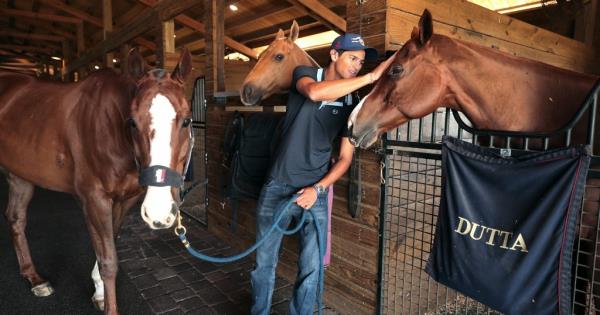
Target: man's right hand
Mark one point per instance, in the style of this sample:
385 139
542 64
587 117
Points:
382 67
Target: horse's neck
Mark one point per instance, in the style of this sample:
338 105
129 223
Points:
502 92
305 59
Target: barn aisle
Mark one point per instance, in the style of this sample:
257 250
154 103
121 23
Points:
156 276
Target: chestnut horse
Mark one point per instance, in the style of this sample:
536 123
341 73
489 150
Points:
273 71
495 91
97 139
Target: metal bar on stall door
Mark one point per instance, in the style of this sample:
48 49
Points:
447 122
433 125
382 211
420 137
592 124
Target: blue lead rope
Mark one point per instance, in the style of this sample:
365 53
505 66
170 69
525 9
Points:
180 231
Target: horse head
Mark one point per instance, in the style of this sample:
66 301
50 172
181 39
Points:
413 87
161 124
273 71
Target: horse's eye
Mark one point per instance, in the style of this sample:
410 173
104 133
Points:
396 71
186 122
131 122
279 57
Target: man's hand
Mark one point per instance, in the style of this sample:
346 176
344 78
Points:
307 197
381 68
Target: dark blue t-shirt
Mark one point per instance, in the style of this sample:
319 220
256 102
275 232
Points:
304 154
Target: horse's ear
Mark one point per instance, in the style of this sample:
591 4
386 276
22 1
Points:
136 65
280 34
184 66
425 27
294 31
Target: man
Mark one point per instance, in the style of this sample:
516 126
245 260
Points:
318 107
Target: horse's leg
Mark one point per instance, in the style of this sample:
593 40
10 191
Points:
119 211
19 195
98 215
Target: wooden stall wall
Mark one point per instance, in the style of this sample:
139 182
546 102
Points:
387 24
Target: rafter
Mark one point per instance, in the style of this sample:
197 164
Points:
90 19
165 10
322 13
52 38
27 48
41 16
199 27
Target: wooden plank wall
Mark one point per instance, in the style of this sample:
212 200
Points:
387 24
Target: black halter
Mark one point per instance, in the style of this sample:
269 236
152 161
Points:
160 175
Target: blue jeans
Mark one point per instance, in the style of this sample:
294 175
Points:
304 297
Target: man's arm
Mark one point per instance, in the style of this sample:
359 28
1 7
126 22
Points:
333 89
309 194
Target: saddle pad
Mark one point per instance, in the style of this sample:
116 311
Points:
506 226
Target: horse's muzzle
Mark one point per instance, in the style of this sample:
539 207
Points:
250 95
164 224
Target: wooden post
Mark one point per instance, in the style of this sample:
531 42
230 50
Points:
66 48
215 49
107 24
80 39
124 59
166 44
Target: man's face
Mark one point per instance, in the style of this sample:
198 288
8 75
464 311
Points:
349 63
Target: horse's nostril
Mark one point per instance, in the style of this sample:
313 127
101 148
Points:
248 91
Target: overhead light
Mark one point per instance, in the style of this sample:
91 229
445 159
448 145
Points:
114 60
96 67
55 58
233 7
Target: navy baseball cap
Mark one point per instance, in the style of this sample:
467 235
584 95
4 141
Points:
351 42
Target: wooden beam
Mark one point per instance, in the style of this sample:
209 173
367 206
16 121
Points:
27 48
322 13
60 5
215 51
107 27
57 4
41 16
32 36
80 39
167 44
198 26
165 10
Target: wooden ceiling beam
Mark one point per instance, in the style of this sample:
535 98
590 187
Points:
166 9
60 5
322 13
199 27
27 48
31 36
57 4
41 16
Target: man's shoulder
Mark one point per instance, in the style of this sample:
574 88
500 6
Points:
301 71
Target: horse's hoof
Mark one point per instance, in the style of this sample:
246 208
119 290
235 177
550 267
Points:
98 303
44 289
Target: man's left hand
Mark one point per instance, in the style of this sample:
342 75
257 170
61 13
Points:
307 197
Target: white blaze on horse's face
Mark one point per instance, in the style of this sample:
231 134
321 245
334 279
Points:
352 118
158 206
